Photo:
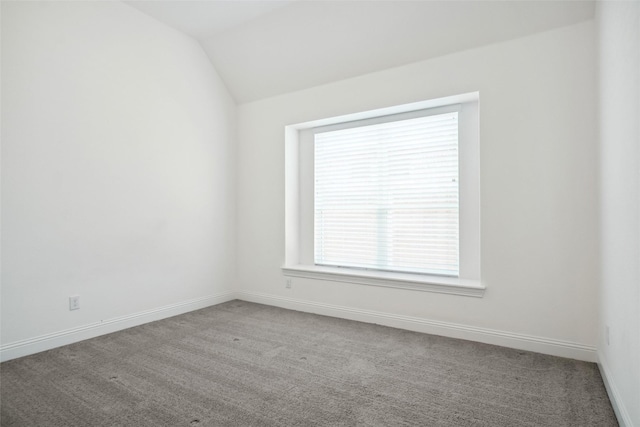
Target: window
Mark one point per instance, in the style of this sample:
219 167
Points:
387 197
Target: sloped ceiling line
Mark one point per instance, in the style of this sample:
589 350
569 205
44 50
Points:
267 48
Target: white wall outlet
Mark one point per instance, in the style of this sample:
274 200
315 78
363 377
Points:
74 302
606 333
288 285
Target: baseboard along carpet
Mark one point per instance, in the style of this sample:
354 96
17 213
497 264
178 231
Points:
246 364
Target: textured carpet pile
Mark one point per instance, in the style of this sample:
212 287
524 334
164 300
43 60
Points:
244 364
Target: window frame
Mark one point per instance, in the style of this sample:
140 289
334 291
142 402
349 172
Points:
299 206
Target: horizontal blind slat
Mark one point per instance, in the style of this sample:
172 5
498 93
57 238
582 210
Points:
386 196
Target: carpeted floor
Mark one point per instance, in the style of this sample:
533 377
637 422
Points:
244 364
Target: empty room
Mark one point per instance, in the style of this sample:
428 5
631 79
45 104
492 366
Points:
320 213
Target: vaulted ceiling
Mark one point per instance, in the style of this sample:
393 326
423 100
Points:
267 48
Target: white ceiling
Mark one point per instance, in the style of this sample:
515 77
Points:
266 48
205 19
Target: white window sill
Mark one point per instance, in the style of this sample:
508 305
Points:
416 282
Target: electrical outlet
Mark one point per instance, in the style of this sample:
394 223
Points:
606 334
288 285
74 302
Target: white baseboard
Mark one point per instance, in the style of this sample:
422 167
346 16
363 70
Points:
453 330
447 329
69 336
624 419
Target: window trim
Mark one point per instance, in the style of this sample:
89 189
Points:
299 242
389 279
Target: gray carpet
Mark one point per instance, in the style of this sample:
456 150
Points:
244 364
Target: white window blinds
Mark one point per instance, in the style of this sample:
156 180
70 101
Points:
386 196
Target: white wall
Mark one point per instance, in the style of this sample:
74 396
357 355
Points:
538 180
118 179
619 100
